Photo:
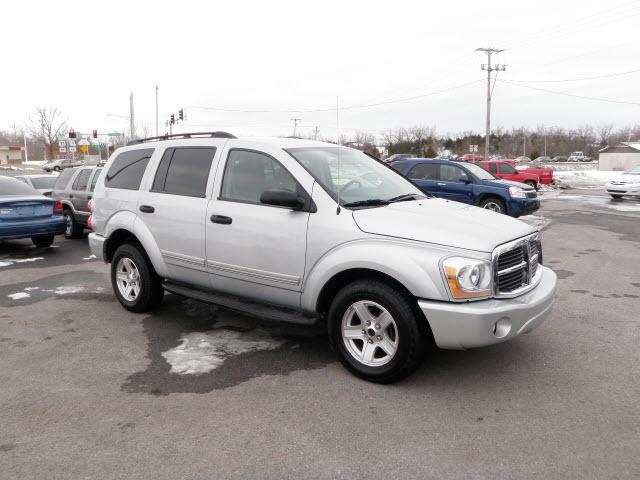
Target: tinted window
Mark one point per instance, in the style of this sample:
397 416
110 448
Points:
63 179
184 171
43 182
493 167
95 179
451 173
127 169
82 180
424 171
11 186
248 174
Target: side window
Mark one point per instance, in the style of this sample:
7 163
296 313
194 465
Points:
506 168
184 171
247 174
127 169
451 173
63 179
424 171
94 180
23 180
82 180
493 167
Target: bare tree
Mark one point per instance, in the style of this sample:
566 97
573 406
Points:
46 125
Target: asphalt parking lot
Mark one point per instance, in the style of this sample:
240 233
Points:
91 391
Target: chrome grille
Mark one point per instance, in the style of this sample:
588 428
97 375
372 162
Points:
516 266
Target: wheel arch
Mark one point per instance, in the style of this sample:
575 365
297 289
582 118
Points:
139 235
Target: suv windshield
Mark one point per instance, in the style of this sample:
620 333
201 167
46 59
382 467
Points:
354 177
479 172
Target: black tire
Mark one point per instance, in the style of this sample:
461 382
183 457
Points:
494 204
616 197
73 229
413 333
151 291
43 241
531 183
57 169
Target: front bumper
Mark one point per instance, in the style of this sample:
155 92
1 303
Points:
96 244
459 326
624 189
524 206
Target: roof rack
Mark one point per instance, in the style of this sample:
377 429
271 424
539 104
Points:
183 135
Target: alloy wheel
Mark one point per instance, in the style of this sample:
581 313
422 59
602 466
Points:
128 279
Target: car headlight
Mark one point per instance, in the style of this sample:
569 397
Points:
516 192
467 278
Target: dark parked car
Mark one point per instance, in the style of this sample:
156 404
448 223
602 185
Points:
74 188
469 183
559 158
26 213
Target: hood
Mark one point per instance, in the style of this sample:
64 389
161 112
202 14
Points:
442 222
625 178
507 184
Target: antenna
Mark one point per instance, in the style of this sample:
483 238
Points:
339 147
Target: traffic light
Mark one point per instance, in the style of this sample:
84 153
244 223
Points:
181 114
95 134
173 119
72 133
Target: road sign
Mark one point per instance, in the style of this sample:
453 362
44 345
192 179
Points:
72 143
63 149
62 144
72 148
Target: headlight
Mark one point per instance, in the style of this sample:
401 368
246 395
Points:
467 278
516 192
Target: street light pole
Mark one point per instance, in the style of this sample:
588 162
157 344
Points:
489 68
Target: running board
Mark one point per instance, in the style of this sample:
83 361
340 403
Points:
242 305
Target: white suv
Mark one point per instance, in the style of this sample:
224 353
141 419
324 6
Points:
303 231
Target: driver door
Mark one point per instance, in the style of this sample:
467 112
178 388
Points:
252 249
455 184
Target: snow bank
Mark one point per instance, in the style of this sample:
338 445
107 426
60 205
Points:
586 178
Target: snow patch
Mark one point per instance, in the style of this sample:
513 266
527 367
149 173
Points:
202 352
8 263
28 289
67 289
586 178
18 295
90 257
537 221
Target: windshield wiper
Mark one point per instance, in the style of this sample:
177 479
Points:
404 197
371 202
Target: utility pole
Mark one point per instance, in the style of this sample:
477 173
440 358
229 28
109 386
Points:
489 68
315 133
132 123
156 110
295 125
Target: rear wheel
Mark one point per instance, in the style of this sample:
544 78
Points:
375 331
493 204
72 229
42 241
136 285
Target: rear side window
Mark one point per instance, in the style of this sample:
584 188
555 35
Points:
63 179
95 179
127 169
184 171
82 180
424 171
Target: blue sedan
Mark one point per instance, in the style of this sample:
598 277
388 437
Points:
468 183
25 213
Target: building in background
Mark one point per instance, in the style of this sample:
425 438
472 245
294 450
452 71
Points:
620 157
11 155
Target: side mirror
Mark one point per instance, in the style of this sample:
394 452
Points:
282 198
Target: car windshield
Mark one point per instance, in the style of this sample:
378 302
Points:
353 177
479 172
633 170
43 182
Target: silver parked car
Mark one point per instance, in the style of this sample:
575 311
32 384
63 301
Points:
42 183
60 164
303 231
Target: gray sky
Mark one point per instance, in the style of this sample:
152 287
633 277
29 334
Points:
86 57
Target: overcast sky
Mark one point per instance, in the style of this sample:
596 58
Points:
86 58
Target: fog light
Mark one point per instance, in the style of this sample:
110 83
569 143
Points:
502 328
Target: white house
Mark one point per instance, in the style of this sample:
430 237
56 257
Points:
620 157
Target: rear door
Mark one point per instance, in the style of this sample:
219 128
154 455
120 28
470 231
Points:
455 184
174 209
425 176
79 192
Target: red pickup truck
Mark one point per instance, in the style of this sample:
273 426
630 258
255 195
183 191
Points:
506 170
545 173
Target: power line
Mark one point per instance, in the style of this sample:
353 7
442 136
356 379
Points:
585 97
628 72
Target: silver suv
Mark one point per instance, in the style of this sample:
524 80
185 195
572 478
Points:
303 231
74 189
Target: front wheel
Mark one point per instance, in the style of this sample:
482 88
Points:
493 204
135 283
42 241
375 331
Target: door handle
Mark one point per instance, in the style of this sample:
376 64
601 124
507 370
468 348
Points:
221 219
147 209
442 184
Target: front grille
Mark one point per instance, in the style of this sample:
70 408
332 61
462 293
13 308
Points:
515 265
532 194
